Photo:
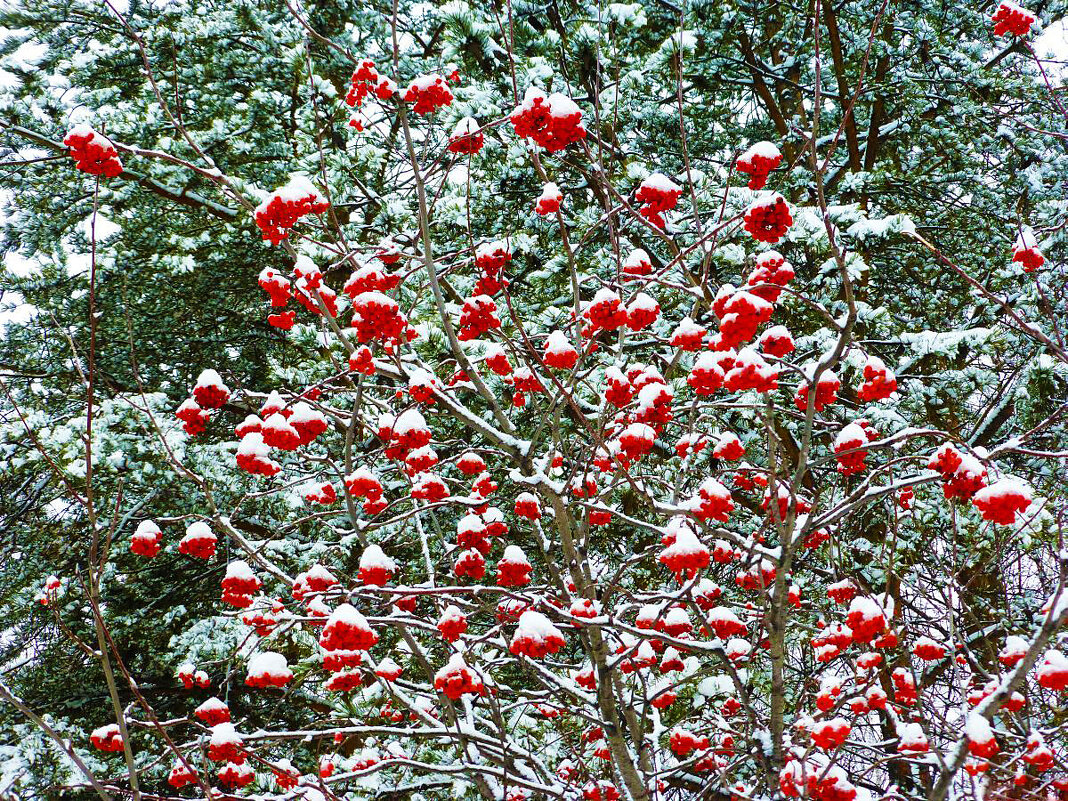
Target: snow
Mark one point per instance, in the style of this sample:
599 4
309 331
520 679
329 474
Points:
724 615
557 343
1015 8
851 436
273 401
776 332
239 569
388 666
374 557
297 189
147 528
604 295
493 351
103 227
550 191
465 127
1015 646
535 626
661 183
374 298
767 200
1054 662
408 421
455 664
1008 487
894 224
1025 240
738 648
418 377
927 642
866 608
1053 40
269 663
320 574
652 394
765 149
276 422
304 413
636 258
491 250
747 357
927 343
472 524
910 733
631 14
198 530
209 378
686 543
643 302
978 729
711 488
639 431
347 615
452 612
768 257
1061 607
513 554
531 98
688 328
224 734
562 106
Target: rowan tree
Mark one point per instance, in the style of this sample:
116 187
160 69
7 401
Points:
521 401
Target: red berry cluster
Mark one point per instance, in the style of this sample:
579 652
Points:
748 370
1030 258
490 258
848 447
146 539
657 194
107 738
467 138
549 201
605 312
370 278
962 474
364 80
879 382
740 313
456 679
826 392
771 273
428 93
479 315
1010 18
238 586
553 122
757 162
280 212
1025 251
377 316
768 220
276 285
1000 502
93 153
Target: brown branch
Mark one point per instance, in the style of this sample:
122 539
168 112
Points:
838 61
189 199
760 87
